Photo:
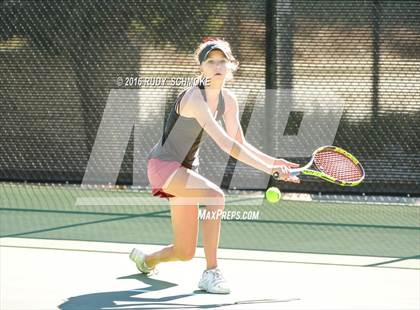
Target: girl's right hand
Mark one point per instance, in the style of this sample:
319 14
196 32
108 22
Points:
284 174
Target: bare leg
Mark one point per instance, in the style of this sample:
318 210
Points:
211 235
184 213
185 231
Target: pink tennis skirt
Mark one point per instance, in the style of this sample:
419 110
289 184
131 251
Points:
158 172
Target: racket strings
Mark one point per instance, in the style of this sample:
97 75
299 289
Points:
338 166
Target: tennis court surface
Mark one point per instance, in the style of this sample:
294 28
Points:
89 87
67 248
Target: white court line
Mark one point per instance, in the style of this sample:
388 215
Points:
228 254
257 198
47 274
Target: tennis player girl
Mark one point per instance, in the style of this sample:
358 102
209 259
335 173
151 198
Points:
173 164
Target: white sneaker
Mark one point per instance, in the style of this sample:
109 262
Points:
138 257
213 281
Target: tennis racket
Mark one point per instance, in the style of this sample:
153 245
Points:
332 164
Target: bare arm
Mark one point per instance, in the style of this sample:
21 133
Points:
196 107
234 130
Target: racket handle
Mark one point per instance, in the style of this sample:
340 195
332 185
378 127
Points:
293 172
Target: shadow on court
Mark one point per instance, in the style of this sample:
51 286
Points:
131 299
121 299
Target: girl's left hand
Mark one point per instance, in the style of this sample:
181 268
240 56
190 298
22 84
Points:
290 165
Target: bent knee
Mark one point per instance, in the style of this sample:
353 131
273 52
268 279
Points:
184 253
214 197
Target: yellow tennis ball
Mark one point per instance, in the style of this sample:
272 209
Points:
273 194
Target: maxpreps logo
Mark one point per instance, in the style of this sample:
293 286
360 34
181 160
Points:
128 113
204 214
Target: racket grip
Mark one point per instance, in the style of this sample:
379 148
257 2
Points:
293 172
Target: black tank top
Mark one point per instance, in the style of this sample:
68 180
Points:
182 135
